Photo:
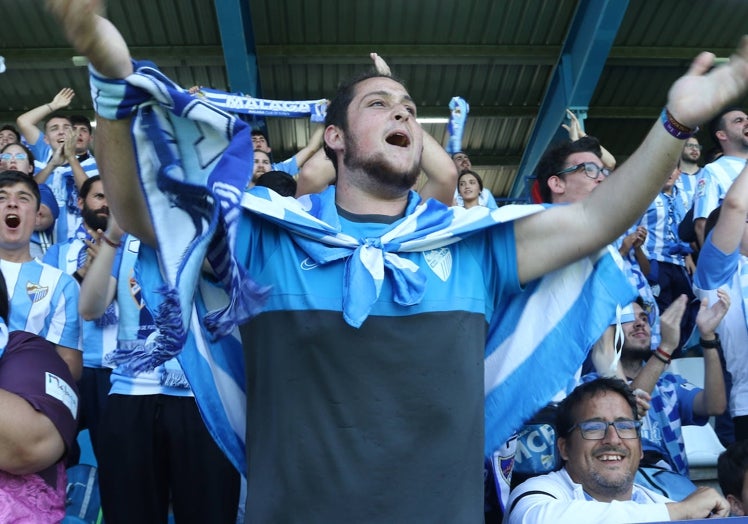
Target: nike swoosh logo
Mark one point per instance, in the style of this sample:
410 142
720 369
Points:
308 264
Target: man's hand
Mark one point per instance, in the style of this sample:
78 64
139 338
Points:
62 99
708 318
574 128
670 324
380 65
698 96
702 503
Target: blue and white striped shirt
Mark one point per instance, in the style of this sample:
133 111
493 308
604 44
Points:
44 301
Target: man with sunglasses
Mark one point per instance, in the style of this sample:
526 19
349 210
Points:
599 441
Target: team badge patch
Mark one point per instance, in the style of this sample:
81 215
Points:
701 187
36 292
440 262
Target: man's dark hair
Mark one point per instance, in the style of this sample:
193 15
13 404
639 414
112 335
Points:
731 467
718 123
86 186
471 172
337 109
76 120
554 160
279 181
10 178
25 148
9 127
260 132
565 416
53 116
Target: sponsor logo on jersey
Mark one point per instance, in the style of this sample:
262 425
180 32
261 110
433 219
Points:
308 264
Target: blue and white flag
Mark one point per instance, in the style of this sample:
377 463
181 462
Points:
194 160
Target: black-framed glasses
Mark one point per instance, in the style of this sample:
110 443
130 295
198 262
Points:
596 429
591 170
693 146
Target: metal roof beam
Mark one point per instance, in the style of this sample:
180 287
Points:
237 38
588 42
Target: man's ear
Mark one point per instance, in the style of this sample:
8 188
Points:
556 184
736 507
721 135
334 138
80 203
561 443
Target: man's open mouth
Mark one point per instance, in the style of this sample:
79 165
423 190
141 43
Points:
398 139
12 221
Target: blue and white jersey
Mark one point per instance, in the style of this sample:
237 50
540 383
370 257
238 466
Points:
135 327
661 219
686 185
714 181
44 301
715 270
100 335
42 151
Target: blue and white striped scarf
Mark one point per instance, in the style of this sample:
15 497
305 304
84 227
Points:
194 161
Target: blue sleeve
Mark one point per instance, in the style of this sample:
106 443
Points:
289 166
714 268
686 393
41 150
52 256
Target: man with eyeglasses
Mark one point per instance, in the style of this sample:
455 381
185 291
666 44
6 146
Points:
599 441
570 171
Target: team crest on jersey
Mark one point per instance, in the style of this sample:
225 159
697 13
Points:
440 262
36 292
700 187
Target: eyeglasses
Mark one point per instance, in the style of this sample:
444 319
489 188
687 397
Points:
591 170
596 429
693 146
17 156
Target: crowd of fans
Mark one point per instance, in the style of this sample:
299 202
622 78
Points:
330 408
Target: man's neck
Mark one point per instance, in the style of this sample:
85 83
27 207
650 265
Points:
689 167
19 255
605 497
738 152
359 201
631 367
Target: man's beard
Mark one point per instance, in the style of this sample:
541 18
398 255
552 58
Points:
93 219
379 170
636 354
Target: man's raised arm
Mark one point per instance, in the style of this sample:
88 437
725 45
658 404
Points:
96 38
577 230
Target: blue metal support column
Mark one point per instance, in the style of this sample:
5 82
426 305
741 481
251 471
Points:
583 55
239 51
